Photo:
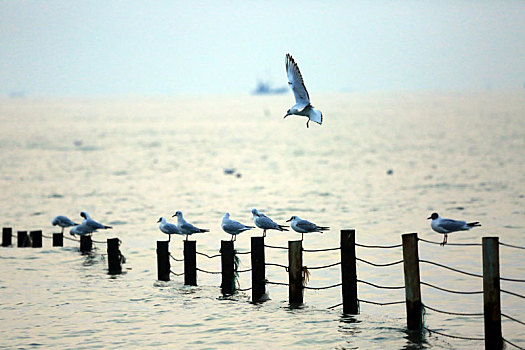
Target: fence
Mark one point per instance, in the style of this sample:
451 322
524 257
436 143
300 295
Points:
298 278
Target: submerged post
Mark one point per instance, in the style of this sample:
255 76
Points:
86 243
58 239
491 293
414 305
114 256
23 239
227 268
349 272
36 239
190 263
295 272
258 269
163 261
7 235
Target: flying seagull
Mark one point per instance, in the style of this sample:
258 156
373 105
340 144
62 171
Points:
185 227
63 222
92 224
447 226
302 100
305 226
233 227
168 228
264 222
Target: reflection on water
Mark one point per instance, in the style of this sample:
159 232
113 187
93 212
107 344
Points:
380 163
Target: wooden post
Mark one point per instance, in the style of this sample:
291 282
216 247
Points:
227 268
36 239
190 263
58 239
7 235
23 239
295 272
412 282
349 273
258 269
163 261
86 243
114 256
491 293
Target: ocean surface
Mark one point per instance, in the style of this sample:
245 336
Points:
381 163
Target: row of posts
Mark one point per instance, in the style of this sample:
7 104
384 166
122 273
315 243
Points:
414 305
34 239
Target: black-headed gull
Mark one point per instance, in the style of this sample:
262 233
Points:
62 221
81 230
92 224
305 226
302 99
168 228
185 227
233 227
264 222
446 226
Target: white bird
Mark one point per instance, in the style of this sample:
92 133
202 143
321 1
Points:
233 227
446 226
81 230
185 227
305 226
62 221
302 100
168 228
264 222
92 224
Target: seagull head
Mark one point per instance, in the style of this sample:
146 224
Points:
178 214
434 216
255 212
292 218
287 113
160 219
227 215
84 214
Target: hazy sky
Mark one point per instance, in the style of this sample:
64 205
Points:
173 47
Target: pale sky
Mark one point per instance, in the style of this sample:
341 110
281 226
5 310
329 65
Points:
125 47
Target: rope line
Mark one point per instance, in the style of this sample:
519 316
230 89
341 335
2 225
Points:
511 280
450 268
249 252
72 239
320 250
174 258
380 304
513 319
430 331
275 247
512 293
277 283
450 290
177 274
211 272
244 290
379 265
99 242
453 313
208 256
458 244
327 287
324 267
379 246
511 245
378 286
334 306
278 265
241 271
516 346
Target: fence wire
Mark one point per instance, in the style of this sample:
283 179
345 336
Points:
512 293
380 287
177 274
453 313
450 268
320 288
324 266
320 250
510 343
513 319
278 265
379 246
210 272
277 283
449 290
379 265
430 331
174 258
380 304
275 247
511 245
455 244
208 256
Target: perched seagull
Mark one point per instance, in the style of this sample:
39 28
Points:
63 222
92 224
168 228
302 100
447 226
264 222
185 227
233 227
81 230
305 226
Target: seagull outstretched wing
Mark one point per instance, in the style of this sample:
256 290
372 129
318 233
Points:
295 80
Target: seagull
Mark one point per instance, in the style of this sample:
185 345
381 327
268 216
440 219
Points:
63 222
92 224
305 226
302 100
81 230
446 226
264 222
185 227
233 227
168 228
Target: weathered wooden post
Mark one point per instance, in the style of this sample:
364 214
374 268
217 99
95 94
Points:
58 239
190 263
349 272
7 235
414 305
227 268
258 269
86 243
491 293
295 272
36 239
163 261
114 256
23 239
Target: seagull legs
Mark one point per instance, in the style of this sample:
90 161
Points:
307 123
186 237
169 237
264 233
62 230
302 236
444 240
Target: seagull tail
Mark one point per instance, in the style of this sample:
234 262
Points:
323 228
106 227
282 228
316 116
473 224
204 230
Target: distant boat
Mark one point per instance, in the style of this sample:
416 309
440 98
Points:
264 88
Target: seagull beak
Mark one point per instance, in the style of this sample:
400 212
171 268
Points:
430 217
174 215
290 219
158 220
